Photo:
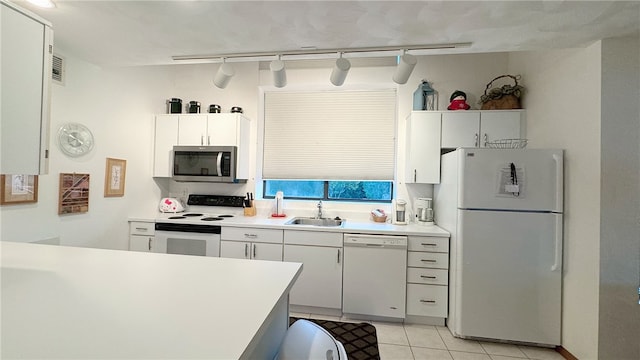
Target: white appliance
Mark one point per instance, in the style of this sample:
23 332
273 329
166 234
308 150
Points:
503 209
400 214
374 275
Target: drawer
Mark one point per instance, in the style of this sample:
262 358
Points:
428 260
142 228
428 276
251 234
427 300
429 243
315 238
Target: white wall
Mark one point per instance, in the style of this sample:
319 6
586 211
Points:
586 101
619 315
563 111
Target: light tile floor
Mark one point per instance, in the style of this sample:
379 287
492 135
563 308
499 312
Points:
398 341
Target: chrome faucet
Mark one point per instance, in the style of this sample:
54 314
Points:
319 216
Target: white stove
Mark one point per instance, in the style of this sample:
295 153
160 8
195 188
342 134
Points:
196 231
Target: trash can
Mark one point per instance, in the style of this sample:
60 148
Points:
307 340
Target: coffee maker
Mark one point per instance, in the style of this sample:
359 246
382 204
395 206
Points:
424 211
400 216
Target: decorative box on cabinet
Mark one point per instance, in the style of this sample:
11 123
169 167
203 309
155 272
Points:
141 235
320 284
251 243
423 147
427 279
476 128
27 50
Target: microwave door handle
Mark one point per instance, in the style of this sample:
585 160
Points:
219 163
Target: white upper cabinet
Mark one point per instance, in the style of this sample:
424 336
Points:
428 132
423 147
476 128
165 137
26 57
192 130
230 129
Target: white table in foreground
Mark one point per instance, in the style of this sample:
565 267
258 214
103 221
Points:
66 302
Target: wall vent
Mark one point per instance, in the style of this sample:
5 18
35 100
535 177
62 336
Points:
57 69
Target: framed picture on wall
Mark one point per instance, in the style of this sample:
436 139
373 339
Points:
18 189
114 177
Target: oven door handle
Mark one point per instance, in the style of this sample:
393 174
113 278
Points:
219 164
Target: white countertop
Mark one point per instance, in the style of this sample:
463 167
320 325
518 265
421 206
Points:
357 226
66 302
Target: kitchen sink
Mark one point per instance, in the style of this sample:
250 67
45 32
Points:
336 222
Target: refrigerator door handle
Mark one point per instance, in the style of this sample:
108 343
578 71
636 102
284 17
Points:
559 182
557 257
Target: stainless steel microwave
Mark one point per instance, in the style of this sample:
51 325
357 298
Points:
205 163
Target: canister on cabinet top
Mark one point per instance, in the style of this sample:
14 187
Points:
194 107
214 109
174 106
236 109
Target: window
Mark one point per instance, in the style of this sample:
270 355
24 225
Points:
333 145
378 191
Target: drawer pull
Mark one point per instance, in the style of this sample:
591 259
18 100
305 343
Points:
142 229
428 244
428 277
428 301
251 236
429 260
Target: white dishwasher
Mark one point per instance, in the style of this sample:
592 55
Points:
374 275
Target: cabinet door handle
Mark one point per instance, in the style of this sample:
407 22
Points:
251 236
486 138
428 260
476 140
254 251
202 140
428 301
428 244
415 175
428 277
246 251
149 244
208 139
338 256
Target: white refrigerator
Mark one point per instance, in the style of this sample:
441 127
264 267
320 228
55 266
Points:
503 208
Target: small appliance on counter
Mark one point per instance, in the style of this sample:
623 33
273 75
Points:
424 211
171 205
400 212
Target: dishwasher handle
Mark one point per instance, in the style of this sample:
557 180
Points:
380 242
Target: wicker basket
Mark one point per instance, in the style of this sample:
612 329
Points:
505 97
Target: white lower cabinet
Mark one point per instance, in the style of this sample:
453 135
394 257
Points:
428 277
141 236
251 243
320 284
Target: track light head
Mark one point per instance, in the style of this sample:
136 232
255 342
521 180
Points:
279 73
405 67
340 71
224 75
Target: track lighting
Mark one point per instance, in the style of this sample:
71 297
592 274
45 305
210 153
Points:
405 67
224 75
279 73
340 71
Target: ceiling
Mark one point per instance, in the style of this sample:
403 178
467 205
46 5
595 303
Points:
151 32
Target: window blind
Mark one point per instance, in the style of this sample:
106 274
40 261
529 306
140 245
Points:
329 135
